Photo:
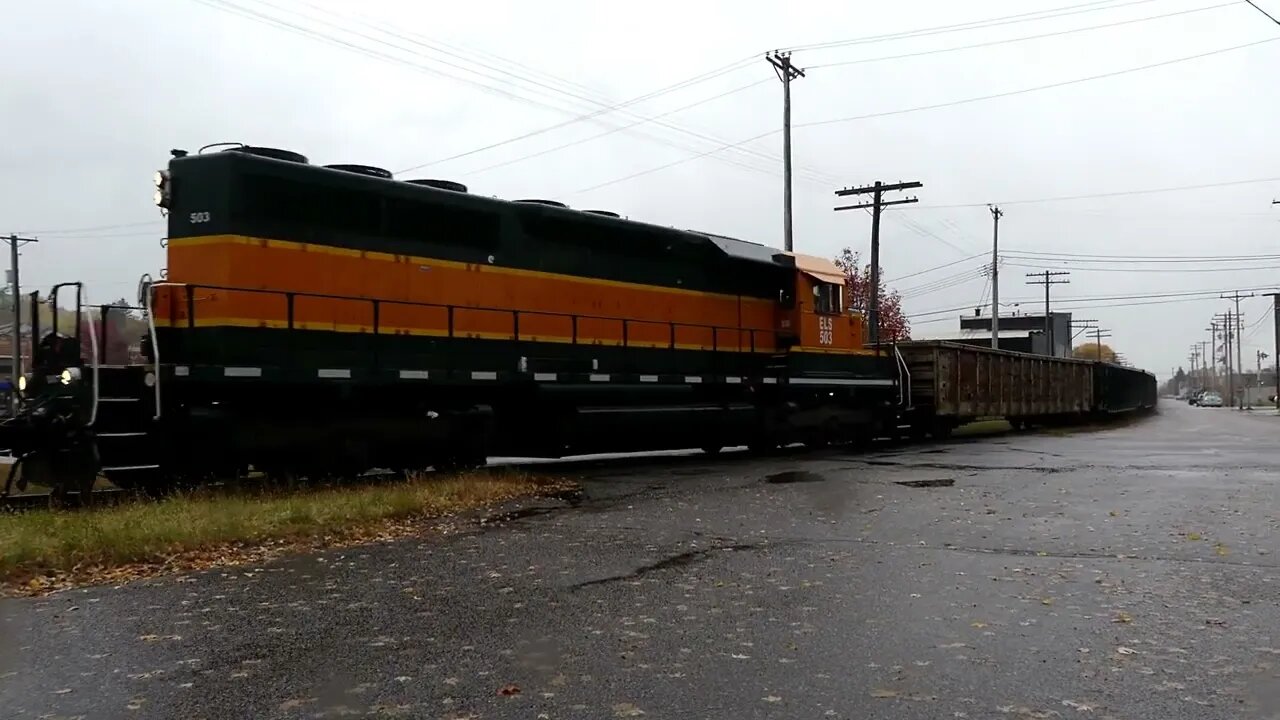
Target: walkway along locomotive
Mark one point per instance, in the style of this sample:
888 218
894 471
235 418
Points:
317 320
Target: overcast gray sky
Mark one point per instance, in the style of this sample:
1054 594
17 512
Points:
94 94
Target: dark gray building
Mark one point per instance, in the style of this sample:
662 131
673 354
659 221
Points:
1020 333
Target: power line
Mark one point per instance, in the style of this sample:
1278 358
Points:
919 229
313 33
745 62
753 138
993 43
572 143
1043 261
1083 257
1038 88
292 27
1264 12
1048 14
1120 193
936 267
63 231
1061 307
945 283
1185 294
592 115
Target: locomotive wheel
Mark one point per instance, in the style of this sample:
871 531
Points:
151 482
860 437
461 462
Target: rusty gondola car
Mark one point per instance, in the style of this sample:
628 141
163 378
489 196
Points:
330 319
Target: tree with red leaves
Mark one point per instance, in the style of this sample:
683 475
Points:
857 278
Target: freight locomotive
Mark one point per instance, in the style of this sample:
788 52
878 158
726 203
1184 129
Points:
317 320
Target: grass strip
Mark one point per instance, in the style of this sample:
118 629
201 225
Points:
211 523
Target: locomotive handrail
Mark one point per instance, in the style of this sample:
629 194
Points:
155 341
93 347
289 295
904 388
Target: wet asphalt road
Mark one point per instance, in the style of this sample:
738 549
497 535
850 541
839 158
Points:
1132 572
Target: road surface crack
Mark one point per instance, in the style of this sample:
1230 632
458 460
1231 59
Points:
678 560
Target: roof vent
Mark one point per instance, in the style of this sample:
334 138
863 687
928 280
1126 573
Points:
603 213
441 185
548 203
266 152
368 170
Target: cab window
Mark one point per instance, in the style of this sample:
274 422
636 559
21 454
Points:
827 299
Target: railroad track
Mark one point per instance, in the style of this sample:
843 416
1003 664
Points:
584 465
44 501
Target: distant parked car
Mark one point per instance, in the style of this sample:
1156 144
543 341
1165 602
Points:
1210 399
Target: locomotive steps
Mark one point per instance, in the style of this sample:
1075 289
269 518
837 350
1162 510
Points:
42 551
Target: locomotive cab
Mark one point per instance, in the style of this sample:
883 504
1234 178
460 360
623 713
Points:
814 313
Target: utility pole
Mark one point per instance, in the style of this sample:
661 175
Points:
1225 320
787 72
1275 355
1047 279
1236 296
1098 335
877 191
1213 352
16 288
996 214
1084 325
1204 372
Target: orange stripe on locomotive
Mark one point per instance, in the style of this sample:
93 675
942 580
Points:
484 297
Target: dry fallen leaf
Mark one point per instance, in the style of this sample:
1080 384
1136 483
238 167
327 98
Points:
626 710
978 625
881 693
772 699
1126 650
1122 617
509 689
1046 601
1193 536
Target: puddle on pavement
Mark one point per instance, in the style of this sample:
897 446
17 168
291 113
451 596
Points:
793 476
935 483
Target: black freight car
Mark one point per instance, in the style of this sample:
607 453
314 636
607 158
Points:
1118 389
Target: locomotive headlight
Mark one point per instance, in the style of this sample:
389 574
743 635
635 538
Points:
164 190
69 376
